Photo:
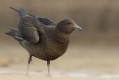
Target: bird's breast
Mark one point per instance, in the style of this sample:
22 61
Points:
47 51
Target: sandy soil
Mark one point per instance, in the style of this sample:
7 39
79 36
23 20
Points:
43 77
78 63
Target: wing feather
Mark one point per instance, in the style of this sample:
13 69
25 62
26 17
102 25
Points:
46 21
30 34
28 30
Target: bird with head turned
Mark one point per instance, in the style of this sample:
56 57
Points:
41 37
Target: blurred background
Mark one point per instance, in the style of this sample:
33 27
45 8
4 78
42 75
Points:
95 49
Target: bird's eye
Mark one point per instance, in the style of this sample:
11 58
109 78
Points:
68 23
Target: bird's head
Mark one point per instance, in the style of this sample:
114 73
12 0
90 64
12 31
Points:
67 26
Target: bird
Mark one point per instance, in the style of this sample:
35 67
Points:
42 37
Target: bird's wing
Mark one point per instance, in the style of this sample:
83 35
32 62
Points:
29 27
15 34
46 21
29 32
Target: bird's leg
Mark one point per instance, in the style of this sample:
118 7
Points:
29 61
48 66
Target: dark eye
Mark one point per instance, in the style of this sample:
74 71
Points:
68 23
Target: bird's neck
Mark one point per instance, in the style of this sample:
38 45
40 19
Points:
62 38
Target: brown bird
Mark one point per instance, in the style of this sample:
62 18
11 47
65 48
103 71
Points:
41 37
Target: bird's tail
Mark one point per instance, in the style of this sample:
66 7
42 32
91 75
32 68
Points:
21 11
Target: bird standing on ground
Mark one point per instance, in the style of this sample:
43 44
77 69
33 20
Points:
41 37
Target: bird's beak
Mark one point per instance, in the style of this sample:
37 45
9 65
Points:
78 28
